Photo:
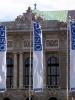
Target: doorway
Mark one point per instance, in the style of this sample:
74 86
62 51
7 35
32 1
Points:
6 98
52 98
31 98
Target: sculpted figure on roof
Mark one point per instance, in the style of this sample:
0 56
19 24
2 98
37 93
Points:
27 17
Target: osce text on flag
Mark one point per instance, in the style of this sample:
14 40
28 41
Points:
37 57
3 47
72 56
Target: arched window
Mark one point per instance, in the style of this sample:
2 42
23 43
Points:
6 98
52 71
31 98
52 98
9 72
26 72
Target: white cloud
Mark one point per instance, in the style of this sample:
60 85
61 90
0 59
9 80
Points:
9 9
56 4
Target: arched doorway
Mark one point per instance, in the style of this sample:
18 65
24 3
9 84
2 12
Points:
52 98
6 99
31 98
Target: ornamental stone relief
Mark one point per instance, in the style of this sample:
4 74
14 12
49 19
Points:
27 43
52 43
9 43
49 43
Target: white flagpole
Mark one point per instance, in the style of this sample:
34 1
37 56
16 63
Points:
67 54
68 36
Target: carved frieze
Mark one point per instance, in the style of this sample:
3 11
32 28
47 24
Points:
27 43
51 43
10 44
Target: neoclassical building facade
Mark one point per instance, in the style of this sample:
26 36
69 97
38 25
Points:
18 55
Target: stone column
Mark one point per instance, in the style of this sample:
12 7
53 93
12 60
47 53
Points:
15 71
21 70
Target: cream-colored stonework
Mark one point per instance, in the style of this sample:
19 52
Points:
54 44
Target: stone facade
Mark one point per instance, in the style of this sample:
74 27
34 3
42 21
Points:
55 45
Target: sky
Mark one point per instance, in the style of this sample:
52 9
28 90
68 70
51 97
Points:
10 9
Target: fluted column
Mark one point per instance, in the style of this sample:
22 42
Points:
15 71
21 70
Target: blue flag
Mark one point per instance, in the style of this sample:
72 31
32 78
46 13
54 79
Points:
37 57
3 47
72 56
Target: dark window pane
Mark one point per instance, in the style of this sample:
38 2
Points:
9 61
53 71
58 71
49 80
26 72
9 72
53 60
54 80
9 82
49 61
48 70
